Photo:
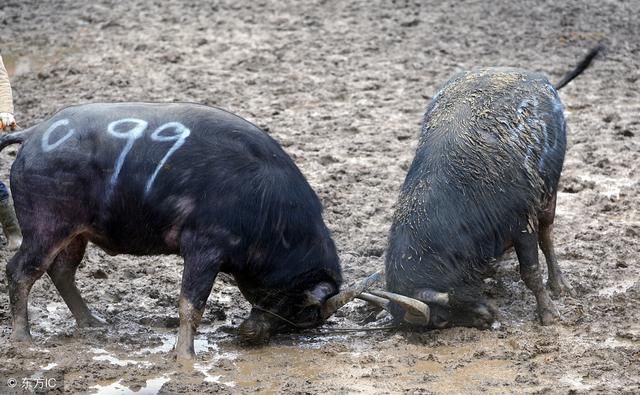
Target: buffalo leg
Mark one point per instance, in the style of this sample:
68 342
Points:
201 266
557 282
27 265
526 247
63 272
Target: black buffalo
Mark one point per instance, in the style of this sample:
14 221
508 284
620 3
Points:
187 179
484 179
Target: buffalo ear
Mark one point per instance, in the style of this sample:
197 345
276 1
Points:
319 294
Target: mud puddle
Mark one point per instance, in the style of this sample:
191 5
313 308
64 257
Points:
151 387
359 368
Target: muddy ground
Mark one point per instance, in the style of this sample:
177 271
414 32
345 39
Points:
342 86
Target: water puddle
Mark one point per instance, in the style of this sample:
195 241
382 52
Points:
167 344
205 368
201 344
575 382
152 387
104 355
49 366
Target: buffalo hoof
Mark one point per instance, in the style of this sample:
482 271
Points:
91 321
548 316
561 287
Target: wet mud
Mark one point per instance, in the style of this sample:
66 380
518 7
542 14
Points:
342 86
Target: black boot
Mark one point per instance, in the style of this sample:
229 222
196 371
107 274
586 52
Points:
10 224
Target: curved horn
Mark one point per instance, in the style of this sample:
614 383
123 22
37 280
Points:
416 312
335 302
428 295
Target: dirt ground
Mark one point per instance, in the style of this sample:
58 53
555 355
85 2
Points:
342 85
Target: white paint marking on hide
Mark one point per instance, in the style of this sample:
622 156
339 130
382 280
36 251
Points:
545 144
533 103
180 135
131 135
46 146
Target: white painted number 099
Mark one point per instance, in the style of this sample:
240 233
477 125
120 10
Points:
129 129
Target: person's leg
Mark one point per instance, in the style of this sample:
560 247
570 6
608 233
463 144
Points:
8 219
